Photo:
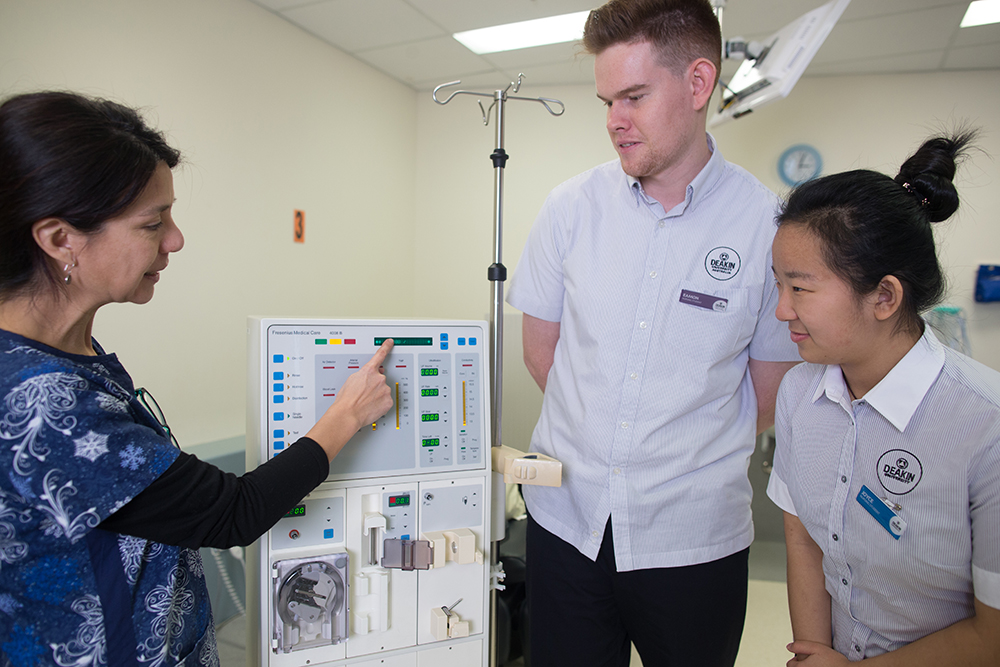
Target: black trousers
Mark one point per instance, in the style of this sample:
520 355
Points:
584 613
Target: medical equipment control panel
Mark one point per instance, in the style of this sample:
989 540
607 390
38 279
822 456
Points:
435 376
387 561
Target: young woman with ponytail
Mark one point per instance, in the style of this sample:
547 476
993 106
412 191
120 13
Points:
888 463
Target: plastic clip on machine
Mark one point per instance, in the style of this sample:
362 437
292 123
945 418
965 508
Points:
386 563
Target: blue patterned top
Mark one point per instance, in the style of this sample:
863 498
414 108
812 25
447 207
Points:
75 446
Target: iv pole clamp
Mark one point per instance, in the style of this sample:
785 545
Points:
497 274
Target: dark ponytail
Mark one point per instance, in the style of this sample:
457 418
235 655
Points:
70 157
871 226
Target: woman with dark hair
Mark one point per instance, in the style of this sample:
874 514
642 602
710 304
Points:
100 515
888 455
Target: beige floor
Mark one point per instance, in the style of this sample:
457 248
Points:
767 629
765 634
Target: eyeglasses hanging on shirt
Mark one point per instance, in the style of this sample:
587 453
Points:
156 412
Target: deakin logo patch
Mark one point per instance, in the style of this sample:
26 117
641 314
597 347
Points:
899 471
722 263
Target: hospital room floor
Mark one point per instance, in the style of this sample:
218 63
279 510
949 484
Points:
765 634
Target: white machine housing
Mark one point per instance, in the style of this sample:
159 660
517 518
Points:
387 562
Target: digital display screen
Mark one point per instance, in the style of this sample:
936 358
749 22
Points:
430 417
298 510
428 392
404 341
399 501
431 442
428 372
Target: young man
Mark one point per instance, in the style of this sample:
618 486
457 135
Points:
649 324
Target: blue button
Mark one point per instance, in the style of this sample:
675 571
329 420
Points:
279 444
444 345
461 341
405 537
279 433
278 398
278 387
278 375
444 336
328 533
279 416
472 341
279 358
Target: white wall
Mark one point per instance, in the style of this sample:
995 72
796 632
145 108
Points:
855 122
270 120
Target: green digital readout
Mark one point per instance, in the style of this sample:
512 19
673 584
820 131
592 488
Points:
399 501
430 417
298 510
431 442
404 341
428 392
426 372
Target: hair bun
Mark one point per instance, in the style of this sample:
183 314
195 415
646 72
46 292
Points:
928 174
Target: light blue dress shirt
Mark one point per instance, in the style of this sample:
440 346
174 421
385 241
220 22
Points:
925 439
648 403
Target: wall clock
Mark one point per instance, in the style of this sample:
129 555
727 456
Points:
799 164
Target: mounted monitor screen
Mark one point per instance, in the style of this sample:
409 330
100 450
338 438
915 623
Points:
774 73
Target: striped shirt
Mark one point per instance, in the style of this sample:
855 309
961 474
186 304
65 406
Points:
925 439
648 403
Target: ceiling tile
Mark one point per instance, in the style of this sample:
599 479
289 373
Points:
890 35
980 34
356 25
863 9
440 58
277 5
983 56
744 18
924 61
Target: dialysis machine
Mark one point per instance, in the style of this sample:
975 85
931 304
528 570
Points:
387 562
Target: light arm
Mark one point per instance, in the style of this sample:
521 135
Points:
766 376
808 601
539 338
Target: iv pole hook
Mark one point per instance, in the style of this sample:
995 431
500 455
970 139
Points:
499 95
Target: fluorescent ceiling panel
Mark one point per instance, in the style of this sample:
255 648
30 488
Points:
524 34
981 12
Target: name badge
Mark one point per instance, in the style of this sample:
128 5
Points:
884 514
706 301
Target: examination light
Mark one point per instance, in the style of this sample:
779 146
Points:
773 67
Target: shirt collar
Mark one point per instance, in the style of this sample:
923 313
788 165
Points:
696 190
901 391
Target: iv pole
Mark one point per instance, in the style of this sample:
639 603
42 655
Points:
497 274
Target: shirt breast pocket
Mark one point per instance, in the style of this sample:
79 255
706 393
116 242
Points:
713 320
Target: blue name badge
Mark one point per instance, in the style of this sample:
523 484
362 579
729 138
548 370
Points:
877 507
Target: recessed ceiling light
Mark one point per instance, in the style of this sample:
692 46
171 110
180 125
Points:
524 34
981 12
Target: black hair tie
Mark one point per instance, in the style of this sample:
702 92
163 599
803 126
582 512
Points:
913 191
